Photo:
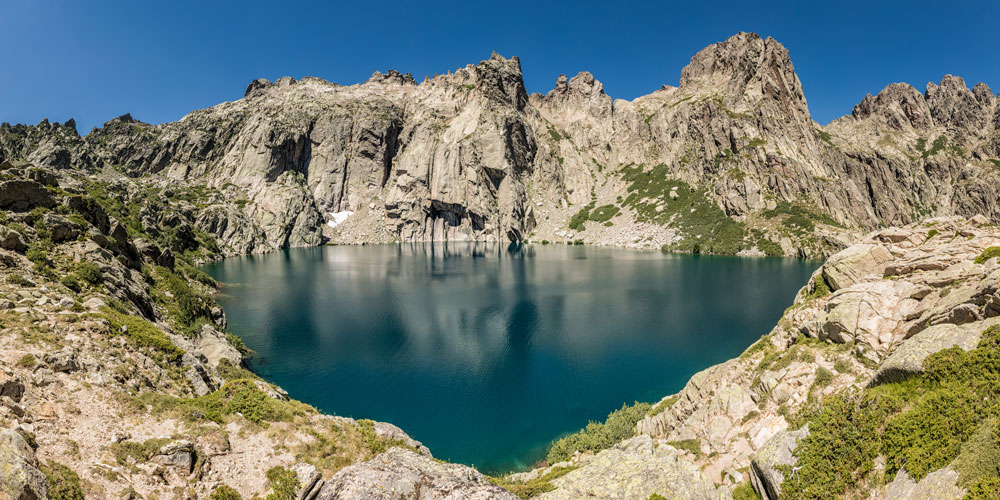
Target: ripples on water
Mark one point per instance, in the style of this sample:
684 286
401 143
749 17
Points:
486 353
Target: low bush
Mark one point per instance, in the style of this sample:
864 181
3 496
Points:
945 415
284 484
597 436
134 451
225 492
143 334
27 361
533 487
988 254
241 396
70 281
744 491
90 272
64 484
17 279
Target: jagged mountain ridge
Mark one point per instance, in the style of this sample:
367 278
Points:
470 155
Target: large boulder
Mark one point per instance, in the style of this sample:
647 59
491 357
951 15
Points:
22 195
61 228
402 474
215 347
778 451
20 478
938 485
11 386
855 264
909 357
635 469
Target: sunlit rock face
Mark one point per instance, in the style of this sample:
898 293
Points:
469 155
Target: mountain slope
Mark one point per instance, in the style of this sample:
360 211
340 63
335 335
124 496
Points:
730 161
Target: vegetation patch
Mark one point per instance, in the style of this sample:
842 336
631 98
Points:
284 484
656 198
596 436
225 492
692 446
945 415
664 405
64 484
533 487
745 491
987 254
237 397
602 214
820 288
143 335
799 217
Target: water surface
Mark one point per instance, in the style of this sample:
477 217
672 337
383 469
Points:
484 353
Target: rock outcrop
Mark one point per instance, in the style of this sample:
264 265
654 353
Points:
399 474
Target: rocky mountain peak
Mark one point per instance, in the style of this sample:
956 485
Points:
582 84
899 104
500 80
750 68
983 94
956 107
392 77
257 86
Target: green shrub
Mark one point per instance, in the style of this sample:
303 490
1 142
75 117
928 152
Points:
820 288
769 248
979 457
604 213
17 279
597 436
284 484
839 451
137 452
656 496
986 489
945 415
225 492
745 491
143 334
823 377
554 134
690 445
533 487
705 227
377 444
64 484
241 396
576 222
988 254
842 366
70 281
27 361
664 405
89 272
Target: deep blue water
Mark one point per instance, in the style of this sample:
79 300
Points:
487 354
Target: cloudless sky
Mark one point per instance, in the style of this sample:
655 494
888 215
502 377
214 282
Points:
94 60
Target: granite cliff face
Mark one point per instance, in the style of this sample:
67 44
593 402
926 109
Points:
727 162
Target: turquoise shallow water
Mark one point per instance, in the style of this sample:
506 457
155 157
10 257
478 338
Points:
485 353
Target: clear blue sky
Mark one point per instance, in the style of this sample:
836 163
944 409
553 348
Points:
95 60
